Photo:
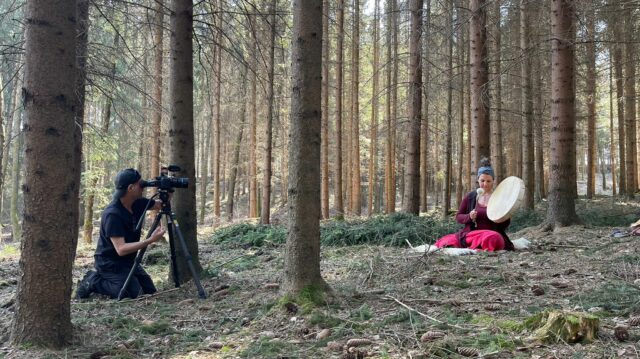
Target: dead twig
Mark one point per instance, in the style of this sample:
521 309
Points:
156 294
370 274
568 246
422 314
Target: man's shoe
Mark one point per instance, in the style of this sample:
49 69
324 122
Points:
85 285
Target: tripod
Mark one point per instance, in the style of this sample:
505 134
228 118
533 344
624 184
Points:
172 228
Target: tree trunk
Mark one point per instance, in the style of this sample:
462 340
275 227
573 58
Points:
612 140
394 98
461 103
302 252
181 136
389 183
497 149
562 168
16 149
157 87
216 128
339 81
446 202
480 131
204 164
591 104
236 150
538 123
411 201
373 149
424 125
630 104
52 163
324 154
14 108
265 214
356 201
528 168
253 166
616 50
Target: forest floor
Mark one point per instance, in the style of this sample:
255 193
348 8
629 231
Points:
388 296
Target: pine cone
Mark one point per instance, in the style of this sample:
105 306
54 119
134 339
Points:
634 321
492 307
537 290
432 335
468 352
335 346
324 333
358 342
454 302
621 332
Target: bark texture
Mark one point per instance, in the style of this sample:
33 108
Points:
480 129
562 166
302 252
411 201
50 218
181 135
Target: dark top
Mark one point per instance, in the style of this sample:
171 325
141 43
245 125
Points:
482 221
117 221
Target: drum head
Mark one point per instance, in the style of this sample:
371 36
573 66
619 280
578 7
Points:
505 199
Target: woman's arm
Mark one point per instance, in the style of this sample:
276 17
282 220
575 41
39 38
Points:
462 216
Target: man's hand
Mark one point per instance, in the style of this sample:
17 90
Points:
158 205
157 234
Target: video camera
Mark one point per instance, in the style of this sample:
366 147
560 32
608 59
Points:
166 182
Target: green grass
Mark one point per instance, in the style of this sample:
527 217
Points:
617 297
307 299
268 348
160 327
323 320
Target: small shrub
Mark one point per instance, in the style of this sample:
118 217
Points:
391 230
363 313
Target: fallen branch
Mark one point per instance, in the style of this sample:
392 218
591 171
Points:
156 294
422 314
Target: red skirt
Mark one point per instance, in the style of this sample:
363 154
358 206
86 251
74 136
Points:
481 239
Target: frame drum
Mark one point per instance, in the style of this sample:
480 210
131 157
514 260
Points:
505 199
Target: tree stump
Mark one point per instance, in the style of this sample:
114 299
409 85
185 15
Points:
568 327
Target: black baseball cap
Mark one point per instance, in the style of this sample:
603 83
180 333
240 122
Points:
123 179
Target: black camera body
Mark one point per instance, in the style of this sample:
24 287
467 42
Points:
166 182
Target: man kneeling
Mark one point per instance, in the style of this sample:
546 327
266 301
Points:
119 242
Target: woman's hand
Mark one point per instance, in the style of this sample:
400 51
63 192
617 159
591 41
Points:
473 215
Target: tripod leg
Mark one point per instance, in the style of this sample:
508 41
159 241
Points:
172 249
139 256
189 259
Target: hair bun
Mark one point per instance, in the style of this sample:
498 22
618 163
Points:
484 162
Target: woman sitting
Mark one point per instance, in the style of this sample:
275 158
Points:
479 231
